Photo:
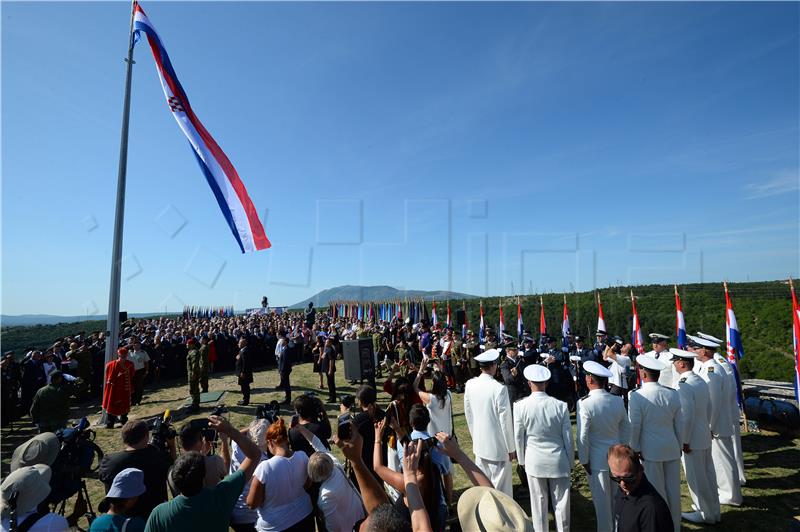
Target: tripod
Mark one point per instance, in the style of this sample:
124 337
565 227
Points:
88 511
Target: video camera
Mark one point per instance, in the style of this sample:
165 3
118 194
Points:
161 431
270 412
73 462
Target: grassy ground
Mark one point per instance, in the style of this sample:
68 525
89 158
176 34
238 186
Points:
772 463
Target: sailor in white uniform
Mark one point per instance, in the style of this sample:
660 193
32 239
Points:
544 442
697 463
602 422
656 432
661 352
735 412
488 414
722 396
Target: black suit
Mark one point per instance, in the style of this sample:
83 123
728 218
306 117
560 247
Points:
244 371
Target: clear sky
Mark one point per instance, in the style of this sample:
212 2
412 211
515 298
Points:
487 148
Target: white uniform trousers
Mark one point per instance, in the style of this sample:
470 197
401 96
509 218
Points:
666 479
498 472
737 451
729 489
544 489
603 491
701 479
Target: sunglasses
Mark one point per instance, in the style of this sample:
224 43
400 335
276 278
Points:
627 480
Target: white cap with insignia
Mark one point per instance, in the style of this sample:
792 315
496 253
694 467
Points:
537 373
596 369
488 356
702 342
709 337
651 363
680 353
657 337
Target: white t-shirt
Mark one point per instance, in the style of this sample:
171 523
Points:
47 523
138 358
285 500
241 512
441 419
340 502
617 369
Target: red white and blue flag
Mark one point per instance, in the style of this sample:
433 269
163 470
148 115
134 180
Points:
565 332
434 319
465 325
796 341
482 330
542 322
601 321
449 317
680 322
733 340
501 327
520 325
638 342
228 189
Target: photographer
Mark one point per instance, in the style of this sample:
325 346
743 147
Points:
364 421
200 508
198 438
139 454
312 416
618 363
23 493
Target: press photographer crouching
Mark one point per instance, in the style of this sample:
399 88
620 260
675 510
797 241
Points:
142 455
198 507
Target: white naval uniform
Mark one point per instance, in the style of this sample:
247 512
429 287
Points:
722 396
656 431
486 405
737 429
668 376
602 422
544 445
617 369
698 465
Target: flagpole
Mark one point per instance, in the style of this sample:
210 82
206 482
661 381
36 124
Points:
119 216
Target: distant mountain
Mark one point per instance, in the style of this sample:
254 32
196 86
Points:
376 293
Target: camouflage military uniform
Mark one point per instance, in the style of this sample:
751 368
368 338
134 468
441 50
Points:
204 367
194 370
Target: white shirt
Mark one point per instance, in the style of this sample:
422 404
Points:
139 358
544 436
722 396
656 422
602 422
285 500
486 405
441 416
668 376
617 369
241 512
48 523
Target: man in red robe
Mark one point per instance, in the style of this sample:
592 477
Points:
118 388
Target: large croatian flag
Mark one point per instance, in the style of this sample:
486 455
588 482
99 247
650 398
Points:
520 325
228 189
482 330
638 341
680 322
501 327
565 331
601 321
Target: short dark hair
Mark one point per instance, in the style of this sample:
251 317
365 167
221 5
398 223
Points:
651 373
366 395
388 518
134 431
190 436
419 417
188 473
306 406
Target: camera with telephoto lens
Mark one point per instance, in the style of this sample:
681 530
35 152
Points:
211 435
161 432
344 429
270 412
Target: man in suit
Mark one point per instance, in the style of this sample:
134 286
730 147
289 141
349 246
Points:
656 433
602 423
697 463
488 414
722 396
544 441
586 355
511 370
244 371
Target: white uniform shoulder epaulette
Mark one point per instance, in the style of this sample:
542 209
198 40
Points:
710 369
683 379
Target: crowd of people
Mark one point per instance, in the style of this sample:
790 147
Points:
639 416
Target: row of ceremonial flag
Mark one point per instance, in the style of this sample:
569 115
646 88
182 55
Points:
207 312
418 310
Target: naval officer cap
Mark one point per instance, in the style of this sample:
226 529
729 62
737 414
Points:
709 337
537 373
657 338
488 357
680 354
696 341
596 369
650 363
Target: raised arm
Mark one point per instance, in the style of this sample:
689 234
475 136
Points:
420 521
393 478
371 491
422 395
249 448
450 447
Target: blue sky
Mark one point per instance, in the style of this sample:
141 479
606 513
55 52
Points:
479 147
